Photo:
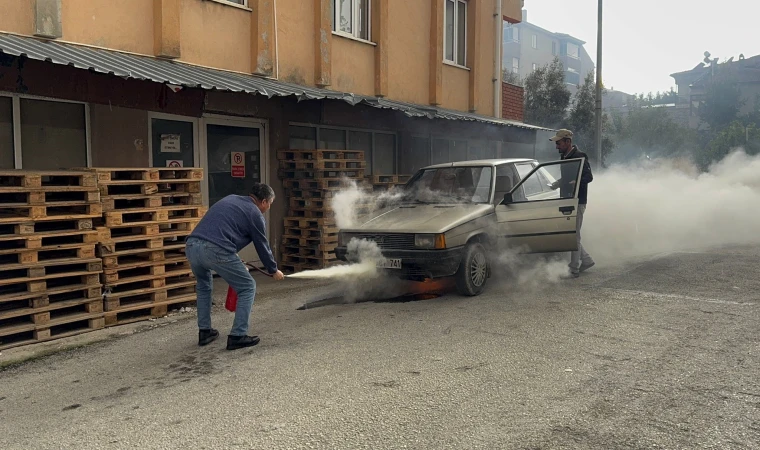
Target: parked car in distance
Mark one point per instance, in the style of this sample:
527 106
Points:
453 219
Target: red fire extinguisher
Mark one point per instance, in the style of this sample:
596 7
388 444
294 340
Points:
231 302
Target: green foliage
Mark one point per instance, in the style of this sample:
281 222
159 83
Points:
582 121
546 96
653 131
722 103
731 137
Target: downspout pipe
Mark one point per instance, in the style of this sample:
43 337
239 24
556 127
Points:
498 32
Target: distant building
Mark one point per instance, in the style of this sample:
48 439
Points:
692 85
528 46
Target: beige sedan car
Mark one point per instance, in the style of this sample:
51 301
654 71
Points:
454 218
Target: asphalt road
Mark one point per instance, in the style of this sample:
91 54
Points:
661 353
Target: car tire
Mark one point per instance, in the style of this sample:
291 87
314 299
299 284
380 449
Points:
472 274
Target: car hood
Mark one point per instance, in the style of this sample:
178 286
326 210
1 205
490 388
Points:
421 218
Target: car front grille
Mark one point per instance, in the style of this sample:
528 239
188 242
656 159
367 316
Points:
388 241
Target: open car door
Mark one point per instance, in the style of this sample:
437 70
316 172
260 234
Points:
535 217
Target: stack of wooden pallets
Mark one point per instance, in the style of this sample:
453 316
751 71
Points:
311 179
49 273
148 214
387 182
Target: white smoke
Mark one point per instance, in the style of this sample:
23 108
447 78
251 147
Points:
353 202
662 205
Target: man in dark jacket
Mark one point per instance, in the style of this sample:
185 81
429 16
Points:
229 225
580 260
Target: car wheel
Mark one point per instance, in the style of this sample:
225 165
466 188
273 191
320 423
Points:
473 270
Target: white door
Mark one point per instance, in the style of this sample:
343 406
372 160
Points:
532 221
221 139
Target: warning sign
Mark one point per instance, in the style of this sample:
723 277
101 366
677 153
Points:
238 164
174 163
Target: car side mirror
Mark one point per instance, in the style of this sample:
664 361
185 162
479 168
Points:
507 199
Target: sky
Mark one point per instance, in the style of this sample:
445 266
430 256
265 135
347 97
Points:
644 41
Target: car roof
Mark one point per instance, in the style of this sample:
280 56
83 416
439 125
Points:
480 162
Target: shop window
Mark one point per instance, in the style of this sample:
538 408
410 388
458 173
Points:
6 133
385 154
53 135
455 26
362 140
352 18
332 139
302 138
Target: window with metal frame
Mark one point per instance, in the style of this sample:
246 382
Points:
352 18
455 31
42 134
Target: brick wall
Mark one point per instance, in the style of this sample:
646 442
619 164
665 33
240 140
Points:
511 102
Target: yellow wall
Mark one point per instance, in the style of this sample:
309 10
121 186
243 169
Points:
213 34
121 24
295 39
17 16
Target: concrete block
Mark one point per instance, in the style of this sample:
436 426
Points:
47 19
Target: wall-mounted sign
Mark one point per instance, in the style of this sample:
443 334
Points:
170 143
238 164
175 163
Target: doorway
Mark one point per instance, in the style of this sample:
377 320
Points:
233 154
209 143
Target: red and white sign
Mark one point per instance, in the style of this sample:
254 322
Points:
174 163
238 164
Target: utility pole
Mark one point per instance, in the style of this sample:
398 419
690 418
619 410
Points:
599 87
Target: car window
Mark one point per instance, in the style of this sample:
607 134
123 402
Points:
470 184
532 186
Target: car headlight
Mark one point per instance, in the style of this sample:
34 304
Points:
429 241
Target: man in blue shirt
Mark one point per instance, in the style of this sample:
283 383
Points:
229 225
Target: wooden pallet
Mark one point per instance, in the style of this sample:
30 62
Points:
129 245
142 312
118 202
12 197
292 155
55 328
12 273
47 226
48 240
140 297
51 295
312 233
45 179
302 222
150 281
154 229
312 194
59 211
44 255
308 203
111 174
322 164
167 252
331 184
11 289
297 258
329 174
147 215
152 269
308 213
119 188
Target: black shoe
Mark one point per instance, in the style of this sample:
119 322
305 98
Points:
236 342
570 276
206 337
585 266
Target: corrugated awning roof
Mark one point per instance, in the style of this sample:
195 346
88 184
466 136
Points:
148 68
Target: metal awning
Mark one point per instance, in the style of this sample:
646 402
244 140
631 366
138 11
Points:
138 67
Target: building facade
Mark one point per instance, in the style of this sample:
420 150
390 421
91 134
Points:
137 83
527 46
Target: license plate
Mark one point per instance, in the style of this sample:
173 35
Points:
389 264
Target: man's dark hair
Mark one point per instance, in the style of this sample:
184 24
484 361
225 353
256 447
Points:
262 191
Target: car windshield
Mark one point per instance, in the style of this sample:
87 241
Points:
451 184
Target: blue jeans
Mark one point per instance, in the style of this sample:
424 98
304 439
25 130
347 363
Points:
205 257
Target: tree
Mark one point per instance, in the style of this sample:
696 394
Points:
653 132
731 137
722 102
546 96
582 120
510 77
